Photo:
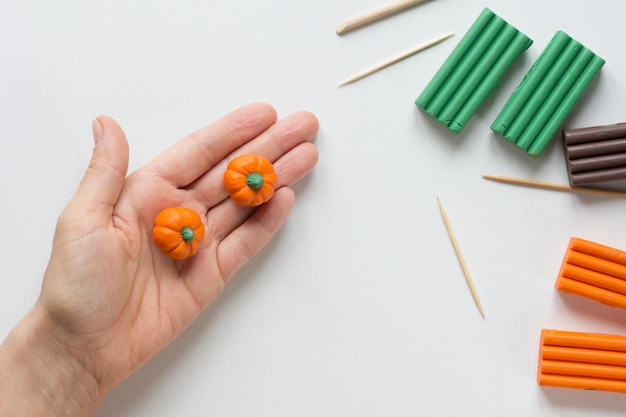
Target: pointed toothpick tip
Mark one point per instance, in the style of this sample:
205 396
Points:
345 82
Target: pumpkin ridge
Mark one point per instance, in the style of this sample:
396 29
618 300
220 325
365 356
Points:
181 251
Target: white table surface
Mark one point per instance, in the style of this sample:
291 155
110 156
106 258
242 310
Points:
359 306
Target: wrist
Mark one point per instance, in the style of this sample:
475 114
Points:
39 376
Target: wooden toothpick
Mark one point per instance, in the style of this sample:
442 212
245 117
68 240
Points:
376 14
459 255
552 186
398 58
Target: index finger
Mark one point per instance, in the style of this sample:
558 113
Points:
192 156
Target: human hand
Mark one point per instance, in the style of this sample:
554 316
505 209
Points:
110 299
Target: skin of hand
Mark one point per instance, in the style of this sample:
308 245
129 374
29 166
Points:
110 299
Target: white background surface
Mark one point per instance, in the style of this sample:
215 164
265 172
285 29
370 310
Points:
358 307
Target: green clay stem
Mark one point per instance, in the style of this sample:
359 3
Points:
187 234
254 180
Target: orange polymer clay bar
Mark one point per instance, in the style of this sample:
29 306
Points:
590 361
594 271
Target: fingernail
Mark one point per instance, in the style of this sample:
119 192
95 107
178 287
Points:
97 131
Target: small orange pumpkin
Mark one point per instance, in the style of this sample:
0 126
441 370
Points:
178 232
250 180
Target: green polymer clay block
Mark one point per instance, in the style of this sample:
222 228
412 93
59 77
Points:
547 94
473 70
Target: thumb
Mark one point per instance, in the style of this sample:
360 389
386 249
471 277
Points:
103 182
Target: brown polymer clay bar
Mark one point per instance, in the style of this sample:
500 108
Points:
595 154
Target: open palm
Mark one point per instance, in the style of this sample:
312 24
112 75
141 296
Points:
113 298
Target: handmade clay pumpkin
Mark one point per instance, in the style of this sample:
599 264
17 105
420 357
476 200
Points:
250 180
178 232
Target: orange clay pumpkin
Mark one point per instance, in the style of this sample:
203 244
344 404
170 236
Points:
178 232
250 180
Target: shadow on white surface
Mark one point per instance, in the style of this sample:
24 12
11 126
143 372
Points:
584 402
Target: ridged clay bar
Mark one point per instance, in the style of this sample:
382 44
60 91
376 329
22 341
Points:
547 94
594 271
473 70
590 361
595 154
